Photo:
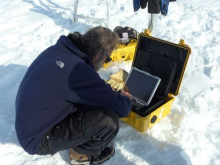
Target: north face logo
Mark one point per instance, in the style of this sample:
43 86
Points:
60 64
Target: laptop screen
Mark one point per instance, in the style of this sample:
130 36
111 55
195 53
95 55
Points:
141 85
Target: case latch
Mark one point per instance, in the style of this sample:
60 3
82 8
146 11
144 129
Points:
182 42
147 32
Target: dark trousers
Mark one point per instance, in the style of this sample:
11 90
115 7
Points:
88 131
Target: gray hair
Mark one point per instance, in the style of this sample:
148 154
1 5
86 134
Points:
100 41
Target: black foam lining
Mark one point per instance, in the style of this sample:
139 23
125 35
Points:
159 66
168 50
155 103
163 60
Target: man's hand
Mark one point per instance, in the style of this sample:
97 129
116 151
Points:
126 94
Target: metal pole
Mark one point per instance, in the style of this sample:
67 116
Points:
152 24
75 6
108 13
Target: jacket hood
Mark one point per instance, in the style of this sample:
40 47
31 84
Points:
67 45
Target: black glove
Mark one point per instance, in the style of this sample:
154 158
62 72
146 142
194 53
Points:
143 4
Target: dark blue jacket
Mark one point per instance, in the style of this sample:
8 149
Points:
60 77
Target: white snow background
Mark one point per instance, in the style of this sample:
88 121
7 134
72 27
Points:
190 134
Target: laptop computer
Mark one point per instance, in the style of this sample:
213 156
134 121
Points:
142 86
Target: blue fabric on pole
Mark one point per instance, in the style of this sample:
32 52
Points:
164 7
137 4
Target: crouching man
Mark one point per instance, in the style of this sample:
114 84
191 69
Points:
62 103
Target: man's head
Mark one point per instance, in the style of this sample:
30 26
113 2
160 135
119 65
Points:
100 42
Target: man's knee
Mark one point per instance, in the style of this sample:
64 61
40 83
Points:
103 117
101 125
109 118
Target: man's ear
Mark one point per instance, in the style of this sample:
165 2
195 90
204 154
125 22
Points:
96 58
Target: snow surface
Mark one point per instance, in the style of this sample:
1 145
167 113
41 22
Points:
190 134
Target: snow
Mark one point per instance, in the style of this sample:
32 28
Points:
190 134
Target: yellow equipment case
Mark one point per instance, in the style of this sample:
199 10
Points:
167 61
124 53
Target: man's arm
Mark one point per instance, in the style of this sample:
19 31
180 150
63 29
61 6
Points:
86 87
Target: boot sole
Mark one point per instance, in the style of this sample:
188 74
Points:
107 158
74 162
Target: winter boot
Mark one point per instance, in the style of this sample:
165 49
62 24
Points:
78 159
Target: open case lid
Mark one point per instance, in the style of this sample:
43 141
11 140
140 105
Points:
163 59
